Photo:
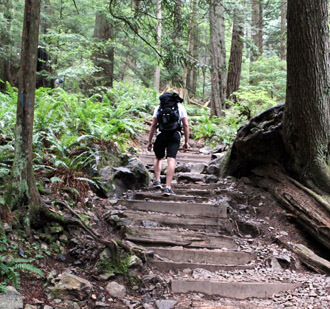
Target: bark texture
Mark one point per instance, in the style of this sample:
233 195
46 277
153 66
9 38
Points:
218 57
191 78
236 54
104 56
283 29
257 29
159 38
306 125
22 190
5 58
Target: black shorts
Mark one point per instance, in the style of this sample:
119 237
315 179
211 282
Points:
169 142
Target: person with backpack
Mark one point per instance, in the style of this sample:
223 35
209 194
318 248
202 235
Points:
167 119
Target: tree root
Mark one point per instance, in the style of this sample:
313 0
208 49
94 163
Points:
112 245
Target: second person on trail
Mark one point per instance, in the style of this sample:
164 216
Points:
168 117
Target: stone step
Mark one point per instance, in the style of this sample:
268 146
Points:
180 266
196 186
205 256
180 155
224 226
150 161
236 290
189 209
160 196
174 237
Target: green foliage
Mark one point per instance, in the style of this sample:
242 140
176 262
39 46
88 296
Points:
268 74
10 268
110 266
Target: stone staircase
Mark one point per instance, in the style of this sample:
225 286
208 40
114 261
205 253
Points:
192 242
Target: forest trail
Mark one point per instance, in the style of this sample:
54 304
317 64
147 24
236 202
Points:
206 259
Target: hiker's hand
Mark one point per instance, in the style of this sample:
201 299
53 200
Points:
185 147
149 147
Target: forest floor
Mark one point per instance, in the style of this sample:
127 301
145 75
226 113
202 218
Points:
260 221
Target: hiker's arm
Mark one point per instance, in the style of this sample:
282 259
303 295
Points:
152 132
186 133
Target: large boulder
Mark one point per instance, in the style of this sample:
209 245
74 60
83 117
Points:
131 177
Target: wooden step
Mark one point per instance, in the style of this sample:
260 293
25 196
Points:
175 237
160 196
236 290
205 256
187 222
189 209
180 266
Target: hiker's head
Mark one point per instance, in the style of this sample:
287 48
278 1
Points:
171 96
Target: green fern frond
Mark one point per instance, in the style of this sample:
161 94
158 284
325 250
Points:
29 268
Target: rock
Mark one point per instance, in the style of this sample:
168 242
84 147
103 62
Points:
211 179
213 170
72 286
165 304
27 306
134 261
133 176
184 168
100 304
274 264
116 290
198 168
105 254
107 276
189 178
48 307
11 299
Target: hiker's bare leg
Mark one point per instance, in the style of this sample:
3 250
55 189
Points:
170 171
157 168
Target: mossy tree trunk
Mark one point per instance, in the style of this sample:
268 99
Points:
236 53
22 192
218 57
306 125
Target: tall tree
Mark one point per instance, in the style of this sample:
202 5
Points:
306 126
283 29
22 190
104 55
159 38
236 53
191 70
218 57
5 60
257 29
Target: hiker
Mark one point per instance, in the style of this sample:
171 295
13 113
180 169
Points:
167 118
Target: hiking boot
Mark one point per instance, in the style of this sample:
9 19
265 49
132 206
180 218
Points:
157 184
168 191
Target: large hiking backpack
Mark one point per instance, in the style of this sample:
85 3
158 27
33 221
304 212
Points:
168 112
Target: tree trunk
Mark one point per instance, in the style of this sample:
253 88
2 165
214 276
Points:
43 67
5 61
283 29
104 56
306 125
22 190
236 54
159 38
191 74
218 57
257 30
295 138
